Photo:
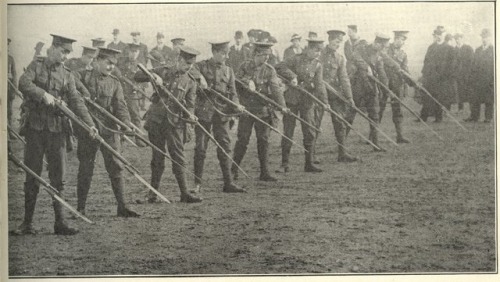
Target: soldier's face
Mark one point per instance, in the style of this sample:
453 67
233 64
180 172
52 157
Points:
399 42
136 38
296 43
351 33
238 40
159 41
313 53
115 37
57 54
183 65
105 66
220 56
86 59
334 44
260 58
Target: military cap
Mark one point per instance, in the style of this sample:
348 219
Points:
312 34
486 33
189 54
252 32
401 33
381 38
98 42
458 35
133 46
263 47
135 33
238 34
334 34
64 42
177 40
296 36
315 43
160 35
353 27
439 30
219 46
88 51
108 53
115 31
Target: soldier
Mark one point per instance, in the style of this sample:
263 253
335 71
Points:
465 55
262 77
312 35
84 62
117 44
294 49
45 80
368 61
236 52
436 73
483 79
128 67
142 58
106 90
160 52
274 58
335 74
166 123
305 70
220 78
38 49
396 61
12 76
177 43
252 35
349 47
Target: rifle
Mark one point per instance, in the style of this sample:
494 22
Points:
186 111
361 113
394 96
327 108
47 187
419 86
255 117
126 163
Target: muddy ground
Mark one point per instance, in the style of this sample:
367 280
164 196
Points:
424 207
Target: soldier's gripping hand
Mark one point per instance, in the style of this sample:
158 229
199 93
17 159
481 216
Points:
94 132
48 99
203 82
240 108
158 79
294 82
193 118
369 72
251 85
285 111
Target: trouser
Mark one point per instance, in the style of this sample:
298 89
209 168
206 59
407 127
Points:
476 110
463 90
397 114
220 130
365 98
171 136
339 126
306 112
245 126
439 91
484 94
86 152
38 144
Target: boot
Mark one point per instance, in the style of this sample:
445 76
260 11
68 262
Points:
199 163
313 148
29 209
229 186
238 155
285 155
262 151
399 134
186 197
233 188
156 174
345 157
60 227
374 139
82 190
309 166
122 210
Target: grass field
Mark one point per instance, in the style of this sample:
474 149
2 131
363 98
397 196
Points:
424 207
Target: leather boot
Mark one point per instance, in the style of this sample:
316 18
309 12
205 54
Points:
285 156
186 197
374 139
29 209
399 134
60 226
156 174
262 150
229 186
309 166
199 163
238 155
122 210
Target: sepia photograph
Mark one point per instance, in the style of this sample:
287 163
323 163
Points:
255 140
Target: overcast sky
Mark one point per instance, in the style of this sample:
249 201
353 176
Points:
200 23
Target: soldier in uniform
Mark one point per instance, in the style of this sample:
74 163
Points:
98 42
106 90
210 112
12 76
312 35
117 44
335 74
396 61
166 122
252 35
306 70
236 52
160 52
293 49
368 61
483 79
177 43
349 46
142 58
262 77
84 62
45 128
465 55
128 67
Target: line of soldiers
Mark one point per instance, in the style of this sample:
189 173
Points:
206 95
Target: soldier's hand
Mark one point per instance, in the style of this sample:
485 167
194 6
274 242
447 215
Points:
251 85
285 111
158 79
327 107
48 99
203 82
240 108
94 132
193 118
369 71
294 82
